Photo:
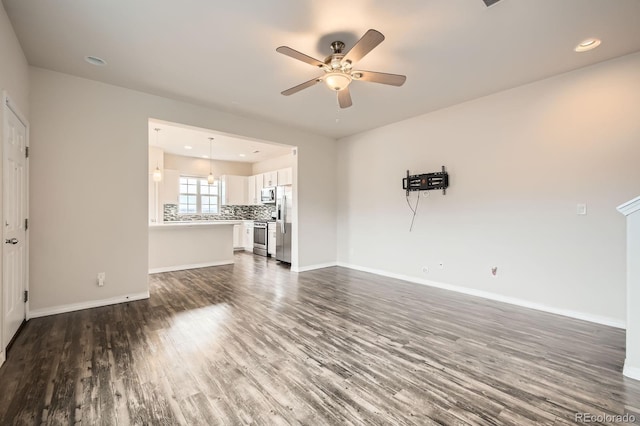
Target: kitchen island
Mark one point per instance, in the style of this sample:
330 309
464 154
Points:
174 246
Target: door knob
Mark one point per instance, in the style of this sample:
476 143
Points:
11 241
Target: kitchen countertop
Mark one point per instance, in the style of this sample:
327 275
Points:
194 224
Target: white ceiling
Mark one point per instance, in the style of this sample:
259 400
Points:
173 138
222 53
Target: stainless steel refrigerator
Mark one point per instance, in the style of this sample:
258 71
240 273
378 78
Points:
284 209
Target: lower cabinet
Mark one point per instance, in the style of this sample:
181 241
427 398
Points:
247 229
271 236
238 240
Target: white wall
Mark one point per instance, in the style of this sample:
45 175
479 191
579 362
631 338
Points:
14 76
276 163
14 80
519 162
200 166
89 184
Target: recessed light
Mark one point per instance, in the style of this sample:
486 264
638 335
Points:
588 44
205 156
94 60
188 147
242 155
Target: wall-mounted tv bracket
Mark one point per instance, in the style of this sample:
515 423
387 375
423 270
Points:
426 181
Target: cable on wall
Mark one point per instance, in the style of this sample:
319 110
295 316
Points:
413 209
424 182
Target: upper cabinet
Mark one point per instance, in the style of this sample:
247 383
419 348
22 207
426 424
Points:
233 190
277 177
270 179
285 176
246 190
259 186
252 195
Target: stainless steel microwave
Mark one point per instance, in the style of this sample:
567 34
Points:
268 196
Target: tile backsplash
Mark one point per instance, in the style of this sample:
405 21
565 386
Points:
170 213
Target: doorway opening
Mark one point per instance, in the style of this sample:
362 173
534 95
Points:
15 247
201 176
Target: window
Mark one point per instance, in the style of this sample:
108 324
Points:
197 196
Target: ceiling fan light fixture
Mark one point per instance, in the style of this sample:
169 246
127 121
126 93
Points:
337 81
338 67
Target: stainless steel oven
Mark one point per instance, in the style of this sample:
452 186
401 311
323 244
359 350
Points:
260 238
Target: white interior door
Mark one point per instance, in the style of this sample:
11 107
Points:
14 241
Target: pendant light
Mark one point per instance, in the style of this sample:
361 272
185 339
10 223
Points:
157 174
210 178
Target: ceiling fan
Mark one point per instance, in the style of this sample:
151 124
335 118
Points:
338 67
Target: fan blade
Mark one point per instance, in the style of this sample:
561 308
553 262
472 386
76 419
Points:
285 50
344 98
366 44
380 77
299 87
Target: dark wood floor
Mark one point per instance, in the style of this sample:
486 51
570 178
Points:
253 343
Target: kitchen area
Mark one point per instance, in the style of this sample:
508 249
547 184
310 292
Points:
213 194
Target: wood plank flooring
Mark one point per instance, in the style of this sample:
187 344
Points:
253 343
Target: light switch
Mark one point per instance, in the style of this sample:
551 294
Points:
581 209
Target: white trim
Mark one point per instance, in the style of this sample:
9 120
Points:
36 313
192 266
629 207
631 372
612 322
2 357
313 267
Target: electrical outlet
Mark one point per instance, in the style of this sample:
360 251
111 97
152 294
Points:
581 209
425 269
101 277
441 265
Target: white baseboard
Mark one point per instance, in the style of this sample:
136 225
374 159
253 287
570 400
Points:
192 266
631 372
86 305
612 322
313 267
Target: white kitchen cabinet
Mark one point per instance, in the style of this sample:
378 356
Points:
233 190
285 176
271 238
270 179
247 228
170 185
252 198
238 237
259 186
